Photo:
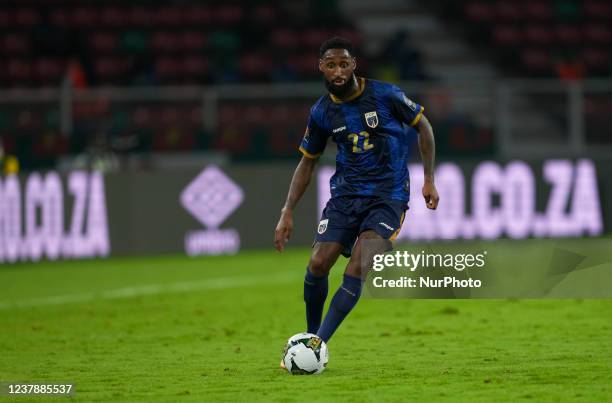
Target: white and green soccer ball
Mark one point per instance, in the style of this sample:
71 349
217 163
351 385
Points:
305 354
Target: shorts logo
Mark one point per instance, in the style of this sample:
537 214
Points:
322 226
371 119
387 226
410 103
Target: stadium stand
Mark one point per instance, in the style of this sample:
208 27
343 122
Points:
567 39
138 44
183 42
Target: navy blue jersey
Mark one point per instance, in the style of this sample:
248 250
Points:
373 133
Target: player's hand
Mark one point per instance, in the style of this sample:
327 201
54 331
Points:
431 195
283 230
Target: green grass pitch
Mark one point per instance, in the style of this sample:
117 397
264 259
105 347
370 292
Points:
211 329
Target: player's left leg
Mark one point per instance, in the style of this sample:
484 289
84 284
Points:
381 225
348 294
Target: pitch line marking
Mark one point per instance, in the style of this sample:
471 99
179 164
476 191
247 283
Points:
151 289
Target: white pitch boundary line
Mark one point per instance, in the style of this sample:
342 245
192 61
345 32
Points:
152 289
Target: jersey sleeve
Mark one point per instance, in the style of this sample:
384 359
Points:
405 109
315 139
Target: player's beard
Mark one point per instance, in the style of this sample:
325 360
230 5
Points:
343 90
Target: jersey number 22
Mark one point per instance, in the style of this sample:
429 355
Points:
365 144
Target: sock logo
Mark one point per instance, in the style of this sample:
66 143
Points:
350 292
323 226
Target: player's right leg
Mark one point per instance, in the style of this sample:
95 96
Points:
336 234
323 257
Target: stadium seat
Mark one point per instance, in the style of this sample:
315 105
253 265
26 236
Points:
141 116
282 142
104 42
233 140
195 66
598 33
168 16
92 109
60 17
538 10
509 11
597 59
52 119
536 61
598 9
169 116
5 120
28 119
4 76
135 41
538 34
287 114
313 37
255 115
25 18
49 71
83 17
141 16
224 41
352 35
255 66
164 41
192 41
197 16
113 16
19 71
284 38
169 69
229 14
194 116
304 64
5 19
479 11
265 14
229 114
568 35
508 35
14 43
108 69
174 139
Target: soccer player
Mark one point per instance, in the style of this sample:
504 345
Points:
372 123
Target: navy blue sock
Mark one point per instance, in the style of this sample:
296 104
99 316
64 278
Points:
341 304
315 293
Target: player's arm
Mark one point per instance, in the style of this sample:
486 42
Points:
427 147
299 183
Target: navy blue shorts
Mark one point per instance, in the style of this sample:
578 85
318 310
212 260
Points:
344 218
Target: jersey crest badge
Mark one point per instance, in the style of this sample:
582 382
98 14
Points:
322 226
371 119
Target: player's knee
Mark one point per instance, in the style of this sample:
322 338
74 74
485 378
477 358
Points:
353 269
320 265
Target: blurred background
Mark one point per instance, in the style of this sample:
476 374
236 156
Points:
151 92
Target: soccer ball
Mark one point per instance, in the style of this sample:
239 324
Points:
305 354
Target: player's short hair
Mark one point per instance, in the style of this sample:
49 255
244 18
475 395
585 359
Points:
336 43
